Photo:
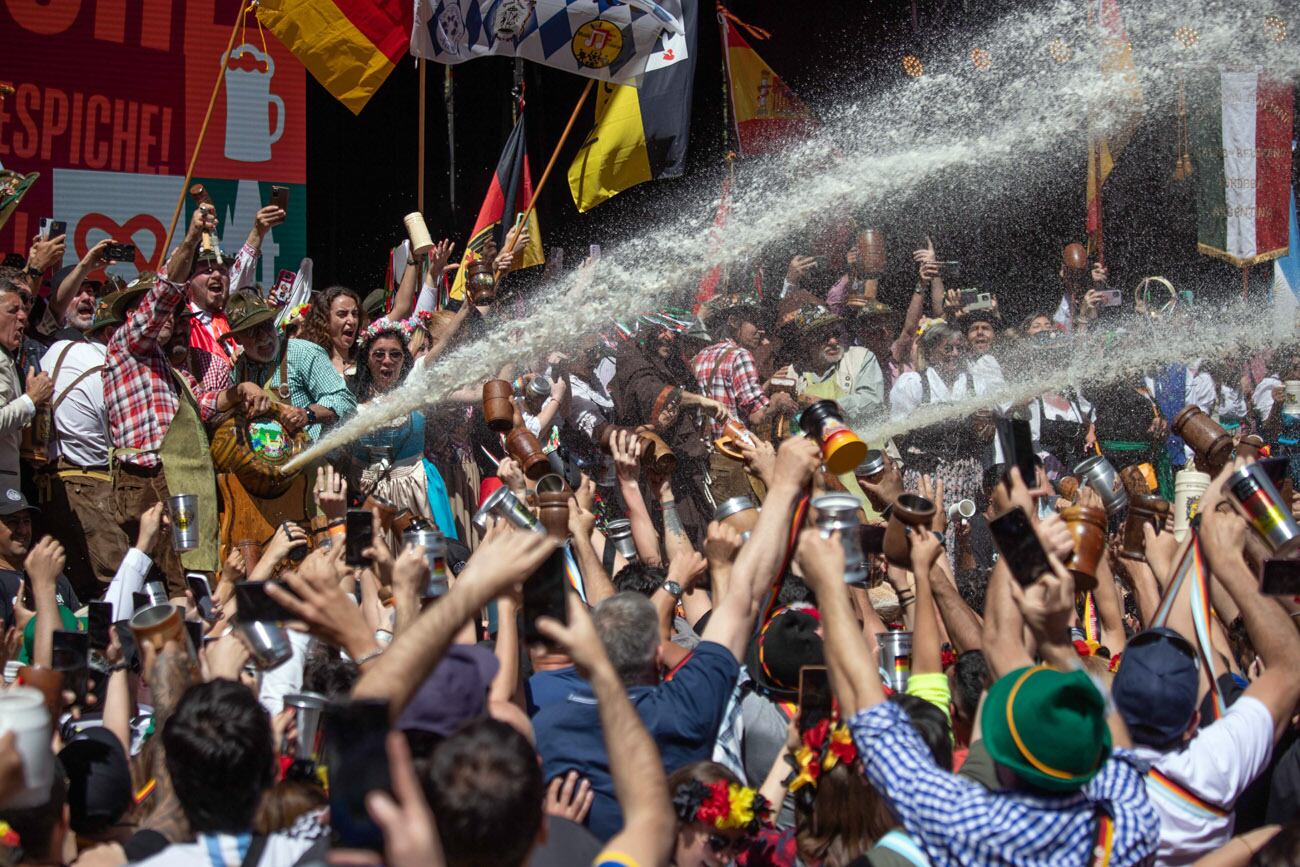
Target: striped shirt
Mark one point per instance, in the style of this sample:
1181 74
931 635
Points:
726 372
958 822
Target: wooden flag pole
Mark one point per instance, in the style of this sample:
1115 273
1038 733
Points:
555 155
419 195
198 143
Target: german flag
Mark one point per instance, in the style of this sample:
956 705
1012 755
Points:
350 46
513 183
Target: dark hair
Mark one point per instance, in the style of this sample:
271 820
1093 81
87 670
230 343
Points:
848 815
220 756
637 577
973 585
793 590
931 724
970 678
35 825
484 784
328 673
364 385
316 323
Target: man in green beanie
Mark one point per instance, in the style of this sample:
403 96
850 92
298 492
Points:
1071 793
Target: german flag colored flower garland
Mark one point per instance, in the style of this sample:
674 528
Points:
824 746
721 805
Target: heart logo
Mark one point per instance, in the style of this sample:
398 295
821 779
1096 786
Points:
122 233
669 55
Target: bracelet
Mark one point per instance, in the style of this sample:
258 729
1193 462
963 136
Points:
905 597
337 522
369 656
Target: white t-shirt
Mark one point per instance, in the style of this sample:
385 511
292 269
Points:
1263 397
908 393
283 848
1079 411
81 422
1216 766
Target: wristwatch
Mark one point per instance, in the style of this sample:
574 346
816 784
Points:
311 416
34 272
673 589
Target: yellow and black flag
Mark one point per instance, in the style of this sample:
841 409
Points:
508 195
641 132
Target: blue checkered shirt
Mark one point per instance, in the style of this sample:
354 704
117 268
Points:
958 822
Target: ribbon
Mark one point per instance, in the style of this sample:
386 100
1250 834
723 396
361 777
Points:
1192 563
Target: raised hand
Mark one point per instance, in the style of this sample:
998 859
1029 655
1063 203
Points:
796 461
331 493
570 797
799 266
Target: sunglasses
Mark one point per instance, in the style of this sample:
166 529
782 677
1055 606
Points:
1182 645
723 845
379 354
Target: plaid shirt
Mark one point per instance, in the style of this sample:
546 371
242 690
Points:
140 388
725 372
958 822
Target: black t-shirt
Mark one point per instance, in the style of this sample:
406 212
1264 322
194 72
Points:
567 843
10 581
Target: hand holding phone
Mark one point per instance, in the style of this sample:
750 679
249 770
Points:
99 618
545 595
1019 546
1018 448
253 605
815 697
280 198
198 584
357 759
360 536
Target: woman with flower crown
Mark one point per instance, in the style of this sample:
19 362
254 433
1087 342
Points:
392 457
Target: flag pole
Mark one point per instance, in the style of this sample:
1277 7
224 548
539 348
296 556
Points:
419 193
449 102
1101 241
198 142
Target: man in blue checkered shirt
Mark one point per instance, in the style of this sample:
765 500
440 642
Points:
1066 798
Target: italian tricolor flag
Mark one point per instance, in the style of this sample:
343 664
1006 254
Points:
1241 131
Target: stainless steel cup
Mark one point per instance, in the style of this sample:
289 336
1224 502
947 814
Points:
895 657
183 509
157 592
620 533
307 710
1098 473
268 643
435 554
840 512
503 504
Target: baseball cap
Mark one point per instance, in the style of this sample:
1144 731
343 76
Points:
455 692
99 780
12 501
1156 687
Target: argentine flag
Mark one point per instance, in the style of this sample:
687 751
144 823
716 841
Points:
1286 283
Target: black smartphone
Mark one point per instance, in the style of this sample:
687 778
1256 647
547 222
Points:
873 538
72 657
52 228
1019 546
949 271
139 601
253 605
99 617
280 198
120 252
814 696
1018 447
126 640
298 552
360 534
545 595
1280 578
202 594
357 759
195 629
1276 468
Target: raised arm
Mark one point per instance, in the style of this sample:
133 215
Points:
67 290
927 656
44 565
582 523
244 270
627 462
649 825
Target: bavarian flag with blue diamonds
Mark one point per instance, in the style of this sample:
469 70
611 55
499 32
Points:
508 195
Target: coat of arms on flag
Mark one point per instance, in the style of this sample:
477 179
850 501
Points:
609 40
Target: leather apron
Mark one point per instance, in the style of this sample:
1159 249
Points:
187 467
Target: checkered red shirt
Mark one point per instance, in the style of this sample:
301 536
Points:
140 389
725 372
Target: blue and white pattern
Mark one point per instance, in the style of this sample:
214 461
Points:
958 822
628 39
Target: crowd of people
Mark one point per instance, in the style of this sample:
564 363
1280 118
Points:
610 607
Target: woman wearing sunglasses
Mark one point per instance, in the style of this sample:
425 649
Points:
716 815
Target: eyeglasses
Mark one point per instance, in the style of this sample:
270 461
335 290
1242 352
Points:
1182 645
381 354
723 845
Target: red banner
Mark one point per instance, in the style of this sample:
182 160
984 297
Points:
109 99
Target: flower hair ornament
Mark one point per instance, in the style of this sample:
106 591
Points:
823 746
721 805
384 327
296 315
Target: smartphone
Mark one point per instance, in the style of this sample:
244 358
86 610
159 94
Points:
280 198
253 605
1280 578
593 252
357 759
139 601
1018 447
949 271
52 228
99 617
814 696
126 640
545 595
1111 297
298 552
283 288
120 252
195 629
202 593
873 538
72 657
360 534
1019 546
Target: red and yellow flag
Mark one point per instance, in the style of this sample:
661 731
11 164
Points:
766 114
1111 125
350 46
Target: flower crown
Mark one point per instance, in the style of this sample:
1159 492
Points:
381 327
296 314
824 746
721 805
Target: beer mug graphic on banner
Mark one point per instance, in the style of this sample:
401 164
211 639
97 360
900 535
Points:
248 92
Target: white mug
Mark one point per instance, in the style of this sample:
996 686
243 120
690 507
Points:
248 92
22 711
